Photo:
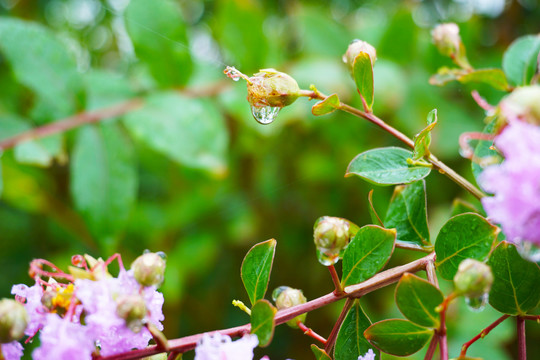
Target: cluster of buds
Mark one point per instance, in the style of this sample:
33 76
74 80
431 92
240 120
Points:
332 236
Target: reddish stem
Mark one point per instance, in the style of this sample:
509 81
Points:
309 332
431 274
522 346
481 335
117 257
441 332
431 349
36 269
335 330
335 279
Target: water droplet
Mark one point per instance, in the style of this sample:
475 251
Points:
278 291
265 114
477 304
146 251
327 258
162 255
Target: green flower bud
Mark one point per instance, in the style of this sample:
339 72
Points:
523 104
149 269
446 38
270 87
473 278
286 297
356 47
132 308
13 320
331 236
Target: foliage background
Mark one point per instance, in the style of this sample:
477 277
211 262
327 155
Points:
196 176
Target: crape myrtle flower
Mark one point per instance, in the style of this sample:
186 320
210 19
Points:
514 183
12 350
220 347
32 303
370 355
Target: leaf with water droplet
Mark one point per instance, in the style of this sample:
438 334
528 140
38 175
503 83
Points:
265 114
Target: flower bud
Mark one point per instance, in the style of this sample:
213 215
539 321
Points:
286 297
132 308
149 269
522 104
13 320
270 87
446 38
473 278
331 236
355 48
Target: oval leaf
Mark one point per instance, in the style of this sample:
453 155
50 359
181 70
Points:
398 337
386 166
515 285
363 77
520 59
463 236
407 214
367 253
493 77
256 267
417 299
319 353
350 342
326 106
262 321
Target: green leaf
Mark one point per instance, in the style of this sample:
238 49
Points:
463 236
398 337
103 179
515 285
363 77
319 353
42 63
422 140
256 267
328 105
350 341
189 131
386 166
105 88
460 206
493 77
372 212
417 299
520 60
444 75
407 214
367 253
262 321
159 36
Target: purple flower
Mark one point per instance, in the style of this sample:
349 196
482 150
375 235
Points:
514 183
221 347
99 301
64 340
33 306
370 355
12 350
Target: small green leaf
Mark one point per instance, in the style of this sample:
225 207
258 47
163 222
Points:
372 212
367 253
350 341
328 105
408 215
262 321
398 337
460 206
422 140
463 236
189 131
256 267
520 60
417 299
386 166
159 37
515 286
363 77
319 353
493 77
103 178
444 75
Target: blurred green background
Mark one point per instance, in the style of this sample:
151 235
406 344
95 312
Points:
192 174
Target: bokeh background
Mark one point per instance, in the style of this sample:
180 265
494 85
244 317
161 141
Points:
263 182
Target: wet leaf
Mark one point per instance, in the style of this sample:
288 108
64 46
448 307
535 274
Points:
520 60
319 353
256 268
350 342
417 299
398 337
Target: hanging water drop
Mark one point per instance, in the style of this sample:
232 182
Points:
477 304
265 114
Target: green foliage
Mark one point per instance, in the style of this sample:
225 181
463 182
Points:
327 106
262 321
367 253
398 337
520 60
418 299
256 269
319 353
350 342
422 140
493 77
463 236
363 77
386 166
515 287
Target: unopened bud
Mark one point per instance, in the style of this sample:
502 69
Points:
446 38
132 309
286 297
355 48
331 236
270 87
522 104
149 269
13 320
473 278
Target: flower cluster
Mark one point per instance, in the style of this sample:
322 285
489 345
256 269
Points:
88 311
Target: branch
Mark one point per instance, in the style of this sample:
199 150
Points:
378 281
483 333
335 330
522 346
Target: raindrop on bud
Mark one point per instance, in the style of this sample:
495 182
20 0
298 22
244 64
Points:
149 269
331 236
286 297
